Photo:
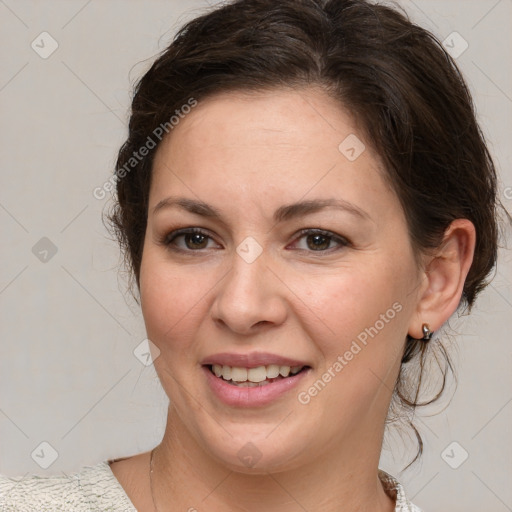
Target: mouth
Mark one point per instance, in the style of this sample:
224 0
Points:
254 377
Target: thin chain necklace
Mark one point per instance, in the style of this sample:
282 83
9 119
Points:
151 479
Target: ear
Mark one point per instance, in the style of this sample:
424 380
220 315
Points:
443 277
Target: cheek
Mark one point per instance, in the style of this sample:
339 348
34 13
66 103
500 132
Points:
171 299
364 325
353 304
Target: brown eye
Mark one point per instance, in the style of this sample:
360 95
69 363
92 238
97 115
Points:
318 242
189 239
195 240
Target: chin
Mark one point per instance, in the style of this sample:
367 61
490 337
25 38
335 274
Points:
258 454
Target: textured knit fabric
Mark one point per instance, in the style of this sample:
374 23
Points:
95 488
395 490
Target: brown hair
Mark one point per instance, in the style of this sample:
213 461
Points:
396 79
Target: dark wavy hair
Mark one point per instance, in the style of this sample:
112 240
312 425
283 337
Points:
393 76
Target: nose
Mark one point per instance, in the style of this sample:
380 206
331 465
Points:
250 298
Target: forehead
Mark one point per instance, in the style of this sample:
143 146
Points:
282 119
290 142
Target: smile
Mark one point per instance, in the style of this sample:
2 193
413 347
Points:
259 386
252 377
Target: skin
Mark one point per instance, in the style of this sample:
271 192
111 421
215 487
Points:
247 155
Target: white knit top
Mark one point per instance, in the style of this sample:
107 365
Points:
95 488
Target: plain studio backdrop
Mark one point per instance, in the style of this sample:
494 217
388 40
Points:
72 390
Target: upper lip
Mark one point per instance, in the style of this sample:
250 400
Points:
252 360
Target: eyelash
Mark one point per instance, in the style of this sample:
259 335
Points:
169 238
342 242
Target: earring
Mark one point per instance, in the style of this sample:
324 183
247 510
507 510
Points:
427 333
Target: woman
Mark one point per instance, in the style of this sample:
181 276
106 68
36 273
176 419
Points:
304 198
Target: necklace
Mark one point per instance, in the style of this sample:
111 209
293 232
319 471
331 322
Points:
151 479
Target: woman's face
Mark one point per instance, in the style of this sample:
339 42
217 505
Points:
274 241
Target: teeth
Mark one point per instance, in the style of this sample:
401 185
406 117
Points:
226 372
251 384
257 374
254 376
272 371
238 374
284 371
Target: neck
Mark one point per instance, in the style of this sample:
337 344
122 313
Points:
185 477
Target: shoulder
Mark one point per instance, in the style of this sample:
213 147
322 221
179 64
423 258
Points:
395 489
90 488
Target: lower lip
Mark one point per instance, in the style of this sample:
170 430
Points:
251 396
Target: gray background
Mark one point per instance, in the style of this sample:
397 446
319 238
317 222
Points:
68 375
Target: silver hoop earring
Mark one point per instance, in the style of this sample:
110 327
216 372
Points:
427 333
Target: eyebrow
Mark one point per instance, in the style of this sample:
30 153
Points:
304 208
191 205
283 213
